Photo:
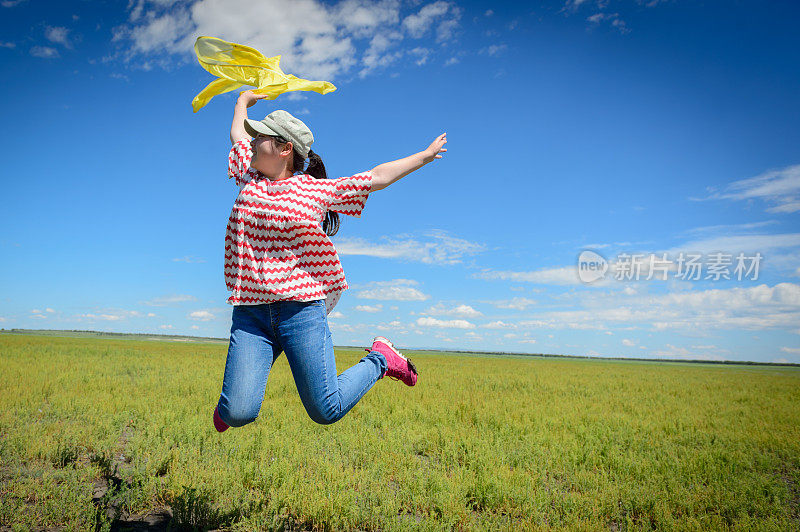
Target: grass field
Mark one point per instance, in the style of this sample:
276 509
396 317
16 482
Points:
99 434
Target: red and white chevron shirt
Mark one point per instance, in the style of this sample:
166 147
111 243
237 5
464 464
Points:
275 248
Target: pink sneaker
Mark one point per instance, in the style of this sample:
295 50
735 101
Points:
220 425
398 366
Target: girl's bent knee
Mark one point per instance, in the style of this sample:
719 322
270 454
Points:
237 418
325 420
323 417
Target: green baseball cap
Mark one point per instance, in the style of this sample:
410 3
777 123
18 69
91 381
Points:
283 124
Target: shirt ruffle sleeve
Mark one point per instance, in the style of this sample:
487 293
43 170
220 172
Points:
239 162
349 194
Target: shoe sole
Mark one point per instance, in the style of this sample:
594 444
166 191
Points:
386 341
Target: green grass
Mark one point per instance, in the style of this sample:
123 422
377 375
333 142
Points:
480 443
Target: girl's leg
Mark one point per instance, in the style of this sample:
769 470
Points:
251 352
306 339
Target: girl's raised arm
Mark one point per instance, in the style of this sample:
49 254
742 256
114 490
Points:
385 174
246 99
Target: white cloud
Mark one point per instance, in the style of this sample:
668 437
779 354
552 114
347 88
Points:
394 326
573 5
597 246
343 327
103 317
419 23
444 324
335 315
498 325
780 251
110 315
317 40
48 309
436 248
421 53
566 275
782 295
369 308
460 311
672 351
377 55
780 188
515 303
363 18
730 228
8 44
493 49
611 18
169 300
165 326
791 350
201 315
58 34
396 290
758 307
189 259
628 343
45 52
740 243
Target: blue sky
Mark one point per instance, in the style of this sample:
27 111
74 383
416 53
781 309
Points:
621 127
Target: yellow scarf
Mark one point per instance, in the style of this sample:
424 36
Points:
236 65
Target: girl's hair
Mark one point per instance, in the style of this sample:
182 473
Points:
330 224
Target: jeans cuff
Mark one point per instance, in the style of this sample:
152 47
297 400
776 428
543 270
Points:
383 365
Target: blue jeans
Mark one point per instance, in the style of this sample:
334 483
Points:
259 333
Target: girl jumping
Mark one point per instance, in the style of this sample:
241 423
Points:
284 273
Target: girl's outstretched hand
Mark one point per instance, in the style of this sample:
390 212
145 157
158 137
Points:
250 97
433 151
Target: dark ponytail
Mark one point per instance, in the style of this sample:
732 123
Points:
317 170
315 166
